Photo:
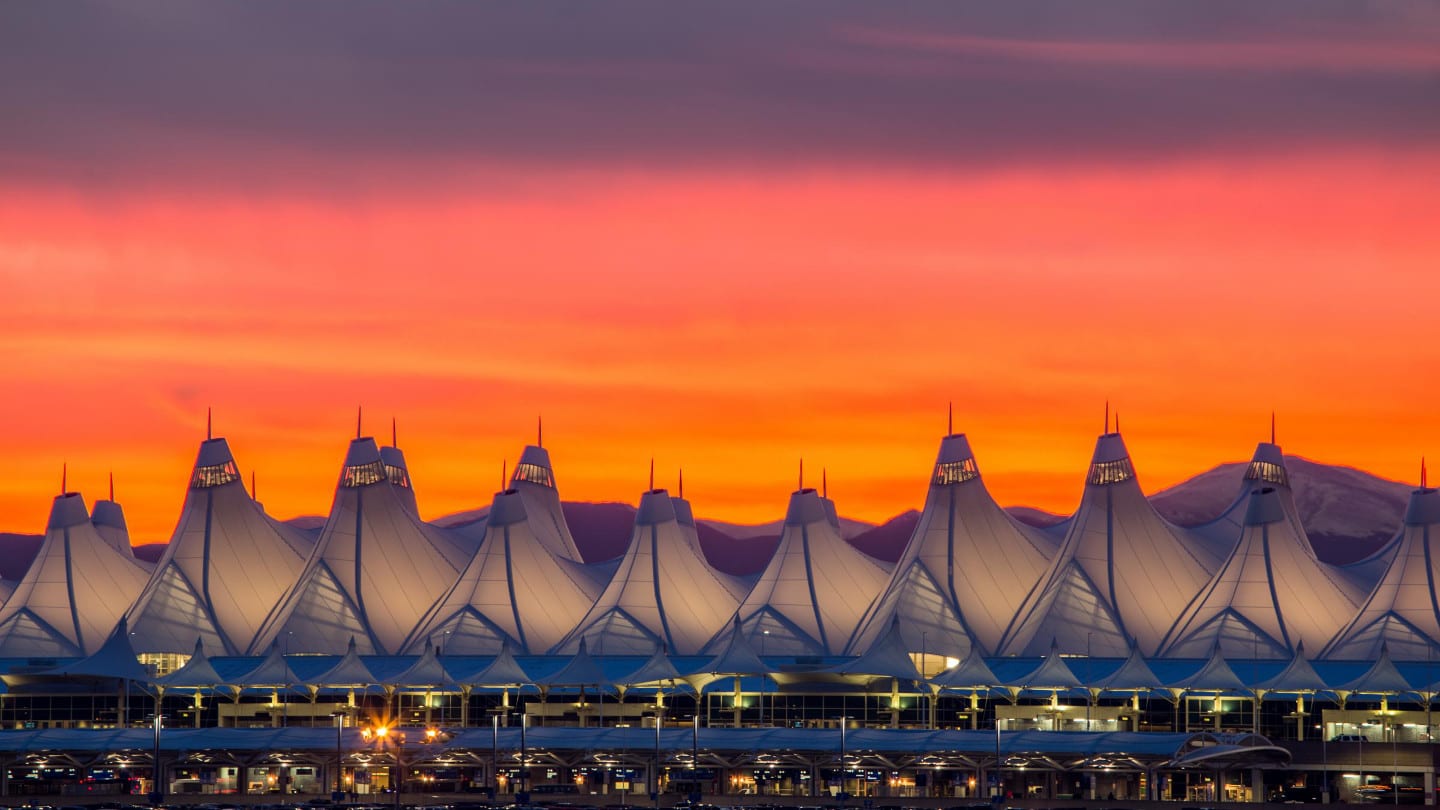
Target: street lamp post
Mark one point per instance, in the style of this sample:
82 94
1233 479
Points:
655 772
157 790
844 721
384 736
764 677
338 794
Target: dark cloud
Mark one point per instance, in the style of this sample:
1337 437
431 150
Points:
297 93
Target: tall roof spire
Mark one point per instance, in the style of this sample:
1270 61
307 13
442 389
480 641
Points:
950 420
802 475
504 474
1422 473
682 482
209 434
1272 427
1117 420
358 410
394 435
254 493
652 472
1107 416
824 484
539 431
112 485
64 475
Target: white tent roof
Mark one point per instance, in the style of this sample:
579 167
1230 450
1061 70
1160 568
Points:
427 671
1121 573
514 588
1215 675
108 518
966 569
534 479
1132 675
74 592
273 671
812 594
114 658
349 671
1401 611
399 474
1382 678
197 672
1266 469
375 570
1297 676
657 669
736 655
738 587
1053 673
888 656
1268 596
970 673
664 591
583 669
503 670
226 566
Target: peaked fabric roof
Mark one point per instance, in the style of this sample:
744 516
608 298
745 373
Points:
736 656
514 589
1133 674
1268 596
226 566
970 673
1297 676
663 592
887 656
375 570
1266 469
1382 678
1215 675
109 520
74 592
738 587
1121 573
197 672
966 569
114 658
348 671
534 479
274 671
581 670
503 670
658 668
426 671
1053 673
813 593
399 474
1401 613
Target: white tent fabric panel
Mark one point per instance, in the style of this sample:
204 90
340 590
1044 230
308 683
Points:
1144 570
966 570
738 587
534 480
1269 595
815 589
514 587
664 592
1401 611
388 564
74 592
227 565
109 520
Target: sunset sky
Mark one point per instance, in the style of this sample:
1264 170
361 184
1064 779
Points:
722 235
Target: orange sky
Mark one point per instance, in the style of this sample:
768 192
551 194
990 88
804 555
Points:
727 321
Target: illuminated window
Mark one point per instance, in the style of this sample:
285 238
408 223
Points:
535 474
1111 472
362 475
1268 472
214 475
163 663
955 472
397 476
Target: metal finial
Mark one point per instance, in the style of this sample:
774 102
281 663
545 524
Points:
112 486
824 484
358 410
209 424
652 473
504 473
950 421
1272 427
64 476
682 482
1107 416
539 431
802 474
394 434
